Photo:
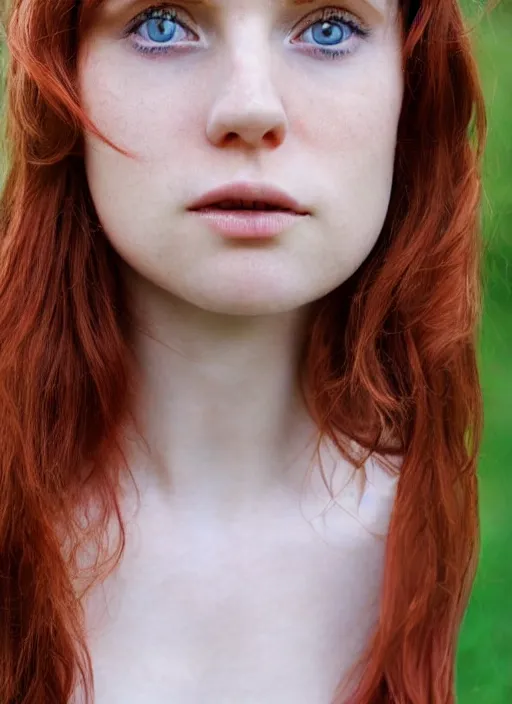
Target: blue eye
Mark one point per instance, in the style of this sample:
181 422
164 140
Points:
158 30
333 32
334 28
157 25
328 31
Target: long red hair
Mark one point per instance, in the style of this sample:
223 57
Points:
389 362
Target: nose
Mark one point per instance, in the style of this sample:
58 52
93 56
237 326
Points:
247 107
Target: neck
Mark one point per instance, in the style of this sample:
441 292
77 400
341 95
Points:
218 402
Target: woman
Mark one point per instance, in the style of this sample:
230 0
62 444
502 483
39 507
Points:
239 297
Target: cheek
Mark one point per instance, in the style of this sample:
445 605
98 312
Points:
356 124
351 139
121 104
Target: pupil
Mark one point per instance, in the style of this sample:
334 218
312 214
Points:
158 28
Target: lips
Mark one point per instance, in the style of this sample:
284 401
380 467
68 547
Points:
248 196
248 205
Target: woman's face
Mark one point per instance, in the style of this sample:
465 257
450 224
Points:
242 90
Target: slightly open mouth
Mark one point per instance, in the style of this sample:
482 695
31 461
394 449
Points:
246 206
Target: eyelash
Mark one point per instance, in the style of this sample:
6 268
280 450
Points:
164 12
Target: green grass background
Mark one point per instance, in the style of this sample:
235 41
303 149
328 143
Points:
484 663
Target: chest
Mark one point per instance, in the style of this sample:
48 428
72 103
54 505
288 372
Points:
274 609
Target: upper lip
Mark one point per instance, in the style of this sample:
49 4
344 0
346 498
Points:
250 192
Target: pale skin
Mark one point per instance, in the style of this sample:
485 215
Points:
232 588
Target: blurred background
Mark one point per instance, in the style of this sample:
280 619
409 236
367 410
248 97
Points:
484 663
484 666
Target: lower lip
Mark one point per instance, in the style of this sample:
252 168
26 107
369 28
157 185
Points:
248 223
